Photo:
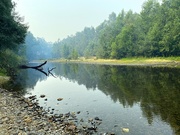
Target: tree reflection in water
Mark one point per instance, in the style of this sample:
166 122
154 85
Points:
156 89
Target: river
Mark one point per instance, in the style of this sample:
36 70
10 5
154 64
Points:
144 100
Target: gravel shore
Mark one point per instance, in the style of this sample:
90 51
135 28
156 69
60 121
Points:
23 116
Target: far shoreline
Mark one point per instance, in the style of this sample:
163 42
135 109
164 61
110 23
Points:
155 62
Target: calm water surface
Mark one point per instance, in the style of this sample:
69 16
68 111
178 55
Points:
143 99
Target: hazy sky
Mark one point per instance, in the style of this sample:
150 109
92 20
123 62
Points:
56 19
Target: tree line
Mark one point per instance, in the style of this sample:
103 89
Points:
17 45
151 33
12 36
36 48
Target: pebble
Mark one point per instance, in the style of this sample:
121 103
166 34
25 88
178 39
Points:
42 96
23 116
59 99
125 130
97 118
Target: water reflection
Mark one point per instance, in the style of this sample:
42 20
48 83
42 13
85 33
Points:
155 90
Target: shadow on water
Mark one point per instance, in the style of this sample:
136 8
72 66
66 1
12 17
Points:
157 90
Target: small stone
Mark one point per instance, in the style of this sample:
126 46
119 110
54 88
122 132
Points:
26 129
18 121
21 128
125 130
59 99
71 127
1 122
90 119
81 120
9 128
27 120
42 96
78 112
5 119
97 118
46 128
61 115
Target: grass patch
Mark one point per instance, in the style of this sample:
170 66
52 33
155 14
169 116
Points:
150 60
159 61
4 79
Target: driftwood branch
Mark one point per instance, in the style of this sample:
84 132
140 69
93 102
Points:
49 71
35 67
41 71
39 68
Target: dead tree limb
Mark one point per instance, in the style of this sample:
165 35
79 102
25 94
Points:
39 68
35 67
49 71
41 71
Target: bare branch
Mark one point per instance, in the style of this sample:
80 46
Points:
39 68
49 71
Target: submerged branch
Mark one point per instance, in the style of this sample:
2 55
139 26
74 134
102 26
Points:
39 68
49 72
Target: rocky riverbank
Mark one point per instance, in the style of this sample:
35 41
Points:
23 116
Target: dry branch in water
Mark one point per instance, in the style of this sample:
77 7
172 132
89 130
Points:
39 68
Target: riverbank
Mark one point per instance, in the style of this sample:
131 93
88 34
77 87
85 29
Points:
158 62
3 79
23 116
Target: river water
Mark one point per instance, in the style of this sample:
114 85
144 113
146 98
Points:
143 99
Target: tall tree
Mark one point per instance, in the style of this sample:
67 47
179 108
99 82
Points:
12 31
12 34
149 15
170 18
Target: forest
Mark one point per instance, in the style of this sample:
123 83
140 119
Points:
154 32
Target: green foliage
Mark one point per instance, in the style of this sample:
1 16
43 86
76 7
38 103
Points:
12 35
12 31
74 54
79 42
152 33
10 61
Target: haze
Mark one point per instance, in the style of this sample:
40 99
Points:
56 19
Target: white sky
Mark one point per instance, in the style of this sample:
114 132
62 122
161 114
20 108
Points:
56 19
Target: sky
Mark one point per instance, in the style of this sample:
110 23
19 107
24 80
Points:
57 19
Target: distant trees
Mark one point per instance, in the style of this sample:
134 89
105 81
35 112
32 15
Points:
77 43
37 48
153 32
12 34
